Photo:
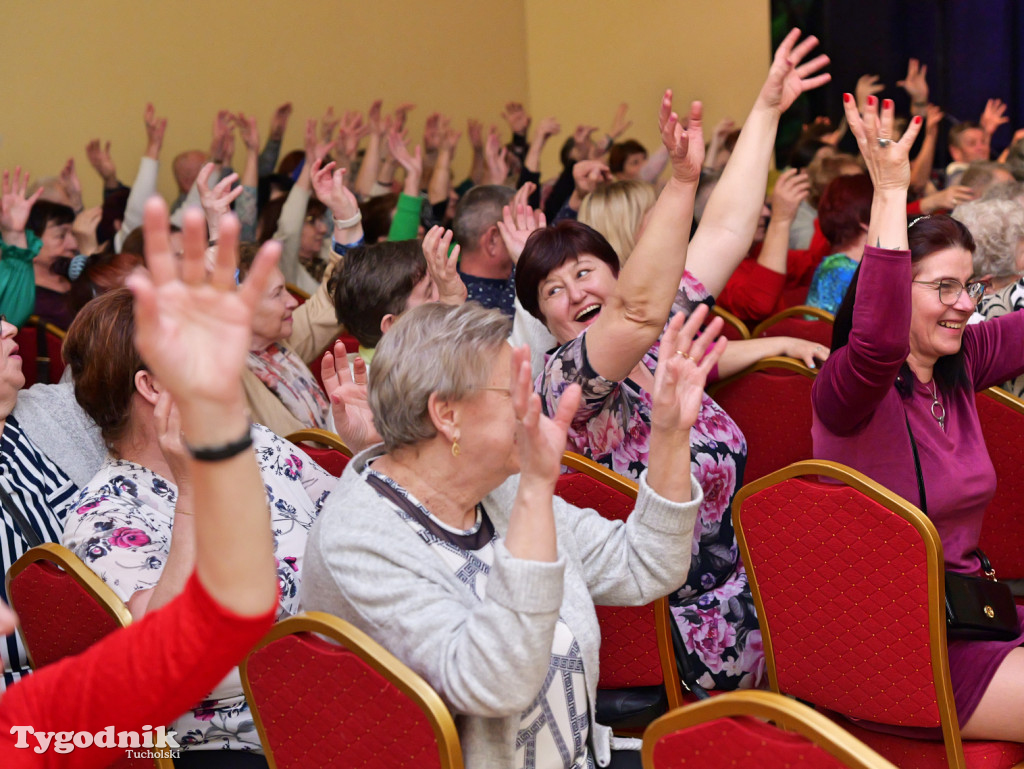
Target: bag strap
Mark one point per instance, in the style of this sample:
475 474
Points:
28 531
917 464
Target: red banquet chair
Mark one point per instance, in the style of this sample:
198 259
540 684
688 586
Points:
793 322
639 679
329 451
351 345
64 608
771 403
1002 533
39 345
323 693
848 582
732 730
734 329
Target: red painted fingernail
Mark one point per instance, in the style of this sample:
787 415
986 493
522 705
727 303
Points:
871 101
847 98
887 104
917 119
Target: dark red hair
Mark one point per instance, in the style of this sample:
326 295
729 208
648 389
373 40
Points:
845 208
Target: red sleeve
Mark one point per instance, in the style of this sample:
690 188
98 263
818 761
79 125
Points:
914 208
752 291
147 674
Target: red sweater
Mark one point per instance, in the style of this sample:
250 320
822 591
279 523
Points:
147 674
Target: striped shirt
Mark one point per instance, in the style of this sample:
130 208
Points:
43 494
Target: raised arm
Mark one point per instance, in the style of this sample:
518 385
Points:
730 218
634 316
144 186
368 169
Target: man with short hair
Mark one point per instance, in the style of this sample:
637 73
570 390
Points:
485 265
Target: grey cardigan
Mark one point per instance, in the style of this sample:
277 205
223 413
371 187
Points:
488 659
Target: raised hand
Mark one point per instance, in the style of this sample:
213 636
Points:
915 83
249 130
433 131
353 420
993 116
216 202
443 267
450 139
100 159
540 440
685 146
547 128
193 328
582 144
352 131
155 129
685 359
516 117
328 125
867 85
315 150
279 121
496 157
887 160
72 185
222 135
329 187
401 113
517 225
787 77
588 174
374 124
84 229
619 123
934 117
475 132
15 207
791 188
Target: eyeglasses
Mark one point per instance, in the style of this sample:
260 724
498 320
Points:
950 290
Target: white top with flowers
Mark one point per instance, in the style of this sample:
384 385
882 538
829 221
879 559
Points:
121 524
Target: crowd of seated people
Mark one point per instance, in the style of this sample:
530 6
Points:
501 320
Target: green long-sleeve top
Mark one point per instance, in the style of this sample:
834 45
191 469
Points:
17 279
405 224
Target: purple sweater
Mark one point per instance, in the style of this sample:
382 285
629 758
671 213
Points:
858 412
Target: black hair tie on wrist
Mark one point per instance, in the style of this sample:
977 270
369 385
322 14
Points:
222 452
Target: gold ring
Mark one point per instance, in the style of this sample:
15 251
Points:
683 354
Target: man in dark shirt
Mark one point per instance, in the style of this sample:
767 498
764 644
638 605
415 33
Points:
484 263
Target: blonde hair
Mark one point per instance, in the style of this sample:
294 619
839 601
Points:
616 211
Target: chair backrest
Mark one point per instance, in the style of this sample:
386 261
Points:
793 322
734 329
64 608
331 454
847 578
732 730
39 345
636 641
771 403
300 295
343 700
1002 423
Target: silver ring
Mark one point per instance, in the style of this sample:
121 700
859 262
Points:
884 142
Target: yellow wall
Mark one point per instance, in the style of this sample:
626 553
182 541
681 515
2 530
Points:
73 71
583 58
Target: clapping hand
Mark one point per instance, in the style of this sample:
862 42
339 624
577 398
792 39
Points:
329 186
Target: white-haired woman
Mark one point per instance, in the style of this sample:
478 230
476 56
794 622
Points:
447 545
998 230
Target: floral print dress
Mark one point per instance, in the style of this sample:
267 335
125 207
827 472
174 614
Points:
714 609
121 524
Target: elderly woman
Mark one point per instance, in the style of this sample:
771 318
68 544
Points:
608 326
896 398
195 336
287 337
447 545
133 522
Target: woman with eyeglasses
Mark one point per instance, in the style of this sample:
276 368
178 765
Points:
903 372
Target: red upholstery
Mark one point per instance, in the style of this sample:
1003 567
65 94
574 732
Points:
322 705
740 741
1003 530
844 586
773 409
819 331
919 754
28 349
331 460
629 642
351 345
58 617
732 333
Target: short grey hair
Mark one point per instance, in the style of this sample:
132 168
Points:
477 210
998 229
433 348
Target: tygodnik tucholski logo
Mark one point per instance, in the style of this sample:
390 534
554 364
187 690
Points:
148 743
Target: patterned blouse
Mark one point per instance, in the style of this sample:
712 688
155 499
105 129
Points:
553 730
1004 301
121 528
289 378
714 610
830 281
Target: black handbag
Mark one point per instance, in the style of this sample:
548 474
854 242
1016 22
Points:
977 608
